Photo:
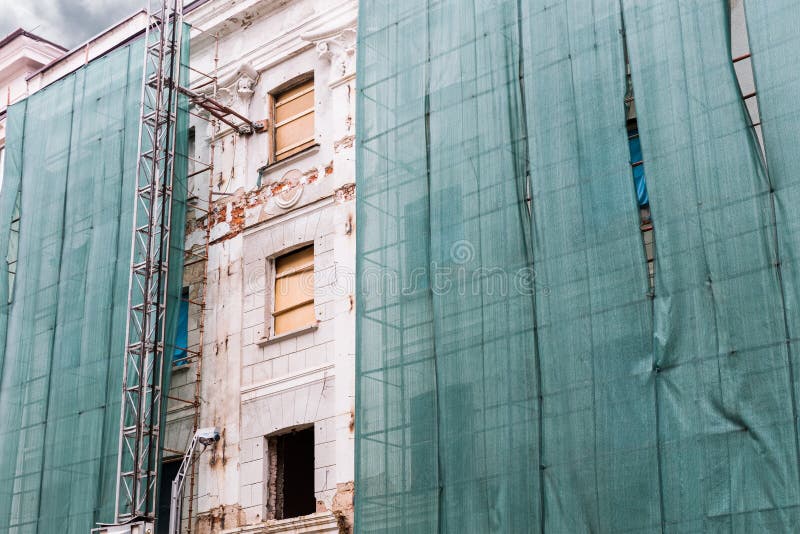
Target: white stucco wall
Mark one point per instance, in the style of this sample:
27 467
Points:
19 58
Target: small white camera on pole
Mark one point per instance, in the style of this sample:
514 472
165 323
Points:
205 437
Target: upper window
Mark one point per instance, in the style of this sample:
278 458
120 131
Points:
294 291
293 120
179 356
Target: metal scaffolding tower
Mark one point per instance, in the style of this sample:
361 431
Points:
140 419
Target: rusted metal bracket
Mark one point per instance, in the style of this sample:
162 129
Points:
223 112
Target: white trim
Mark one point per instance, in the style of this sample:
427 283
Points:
264 341
304 154
343 80
308 209
286 383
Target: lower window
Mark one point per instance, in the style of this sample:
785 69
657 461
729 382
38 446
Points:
290 468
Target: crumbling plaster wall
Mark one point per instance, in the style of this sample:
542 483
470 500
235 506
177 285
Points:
252 385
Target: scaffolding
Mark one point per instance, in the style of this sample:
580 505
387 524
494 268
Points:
88 278
217 113
195 356
140 418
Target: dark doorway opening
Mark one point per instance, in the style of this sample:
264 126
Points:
169 470
291 474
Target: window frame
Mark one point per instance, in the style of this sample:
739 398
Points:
273 280
180 354
273 97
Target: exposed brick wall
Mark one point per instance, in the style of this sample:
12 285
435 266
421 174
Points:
220 518
342 507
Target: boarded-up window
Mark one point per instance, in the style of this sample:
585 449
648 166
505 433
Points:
294 120
294 290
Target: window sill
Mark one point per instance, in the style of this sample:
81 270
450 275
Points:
269 167
317 522
264 341
179 369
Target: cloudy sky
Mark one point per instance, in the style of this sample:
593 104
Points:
66 22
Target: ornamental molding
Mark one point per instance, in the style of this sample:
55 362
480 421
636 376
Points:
336 43
215 17
293 182
237 88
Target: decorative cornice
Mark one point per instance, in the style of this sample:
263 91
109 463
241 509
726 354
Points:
264 55
344 22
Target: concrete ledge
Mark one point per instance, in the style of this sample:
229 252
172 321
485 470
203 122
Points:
319 523
285 383
264 341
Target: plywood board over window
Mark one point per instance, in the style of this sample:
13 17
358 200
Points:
294 291
293 117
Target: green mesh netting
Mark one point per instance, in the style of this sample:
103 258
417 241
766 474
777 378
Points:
514 374
774 42
71 155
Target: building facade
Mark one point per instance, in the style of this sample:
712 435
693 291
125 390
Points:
269 282
274 349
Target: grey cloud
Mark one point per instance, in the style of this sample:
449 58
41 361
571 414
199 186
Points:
66 22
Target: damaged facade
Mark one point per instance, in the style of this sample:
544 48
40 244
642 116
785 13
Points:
276 369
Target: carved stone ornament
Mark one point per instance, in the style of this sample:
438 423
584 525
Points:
337 44
292 191
237 89
244 86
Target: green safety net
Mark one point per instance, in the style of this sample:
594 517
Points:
774 42
71 166
515 372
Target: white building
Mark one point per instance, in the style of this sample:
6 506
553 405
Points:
278 335
21 54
